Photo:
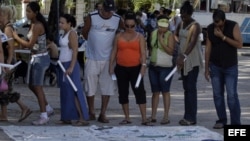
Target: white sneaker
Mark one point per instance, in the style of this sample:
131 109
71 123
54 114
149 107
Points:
50 113
41 121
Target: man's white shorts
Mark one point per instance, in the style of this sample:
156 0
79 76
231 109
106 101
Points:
97 74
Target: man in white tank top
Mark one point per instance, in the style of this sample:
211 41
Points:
99 30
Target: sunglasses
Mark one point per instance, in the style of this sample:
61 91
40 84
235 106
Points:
129 26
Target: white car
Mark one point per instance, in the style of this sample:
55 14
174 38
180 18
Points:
22 27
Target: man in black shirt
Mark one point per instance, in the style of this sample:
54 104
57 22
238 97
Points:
221 65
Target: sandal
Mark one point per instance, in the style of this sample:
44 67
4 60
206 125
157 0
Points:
81 123
64 122
147 123
92 117
3 119
218 125
165 121
151 119
103 119
24 115
185 122
123 122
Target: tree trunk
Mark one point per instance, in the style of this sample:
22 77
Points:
53 21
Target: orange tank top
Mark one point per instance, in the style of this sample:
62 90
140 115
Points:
128 52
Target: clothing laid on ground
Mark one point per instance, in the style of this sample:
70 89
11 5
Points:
67 93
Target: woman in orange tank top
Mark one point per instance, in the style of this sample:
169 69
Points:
132 44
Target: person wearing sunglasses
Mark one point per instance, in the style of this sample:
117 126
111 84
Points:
127 69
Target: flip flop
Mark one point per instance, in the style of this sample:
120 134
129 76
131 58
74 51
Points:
81 123
147 123
151 119
25 115
185 122
123 122
165 121
3 120
64 122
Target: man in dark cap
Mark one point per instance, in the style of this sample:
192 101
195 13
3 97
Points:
109 5
99 30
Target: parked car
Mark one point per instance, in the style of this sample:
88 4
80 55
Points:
22 27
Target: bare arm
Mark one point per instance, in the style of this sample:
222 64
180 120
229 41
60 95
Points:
193 39
237 41
86 27
169 48
196 30
37 29
73 44
9 32
143 54
121 25
176 33
207 58
1 52
113 55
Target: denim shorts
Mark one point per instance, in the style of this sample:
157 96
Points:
37 69
157 77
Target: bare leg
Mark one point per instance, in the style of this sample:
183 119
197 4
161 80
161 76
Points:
125 108
143 112
39 93
102 117
34 89
25 110
3 113
166 102
105 101
22 106
155 101
91 104
79 110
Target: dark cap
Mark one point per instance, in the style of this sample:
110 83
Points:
109 5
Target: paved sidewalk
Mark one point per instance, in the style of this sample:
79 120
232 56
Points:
206 112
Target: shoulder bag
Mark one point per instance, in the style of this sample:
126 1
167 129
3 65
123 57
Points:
3 85
162 58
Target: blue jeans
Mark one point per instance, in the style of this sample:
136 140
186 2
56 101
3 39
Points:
190 94
157 77
222 78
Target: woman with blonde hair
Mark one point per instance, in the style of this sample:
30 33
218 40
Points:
7 16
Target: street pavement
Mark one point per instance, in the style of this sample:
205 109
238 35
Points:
206 116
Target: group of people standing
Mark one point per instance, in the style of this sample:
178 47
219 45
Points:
110 40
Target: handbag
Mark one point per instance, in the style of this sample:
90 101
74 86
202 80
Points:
3 85
162 58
